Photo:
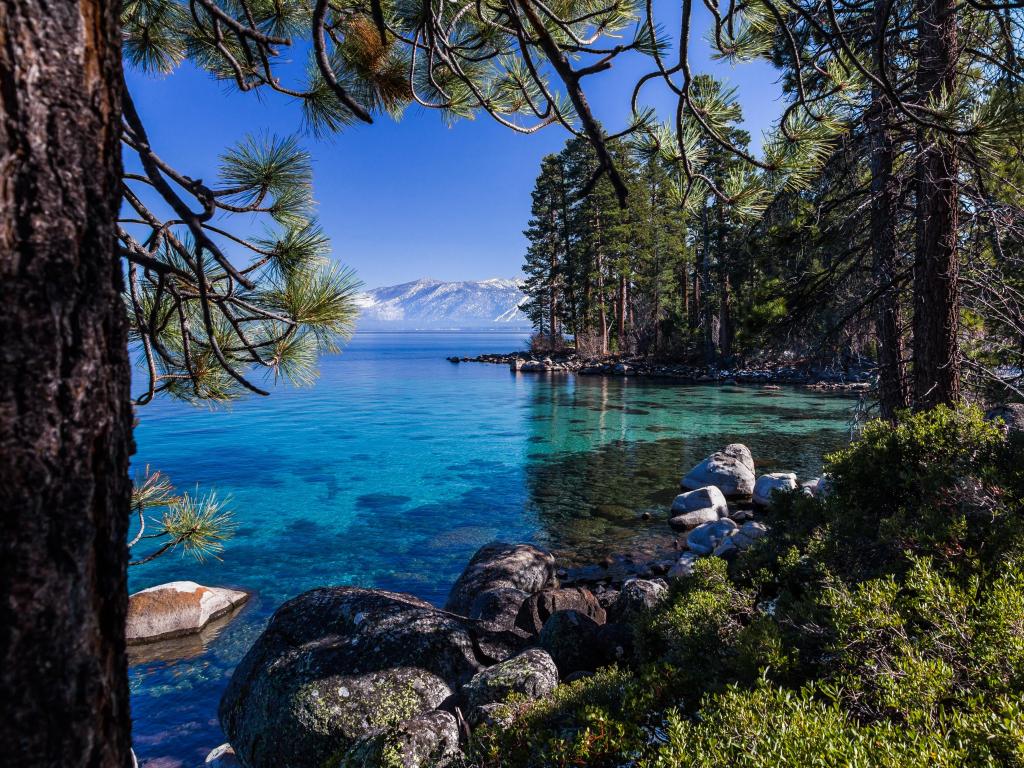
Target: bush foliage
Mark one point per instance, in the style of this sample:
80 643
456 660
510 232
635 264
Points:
880 626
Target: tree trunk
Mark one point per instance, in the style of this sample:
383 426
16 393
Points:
936 288
623 298
892 379
65 418
705 290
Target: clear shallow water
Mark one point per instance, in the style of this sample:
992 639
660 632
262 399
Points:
398 465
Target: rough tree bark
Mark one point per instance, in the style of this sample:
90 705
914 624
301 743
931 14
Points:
892 378
936 284
65 418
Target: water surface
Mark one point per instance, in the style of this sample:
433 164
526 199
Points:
398 465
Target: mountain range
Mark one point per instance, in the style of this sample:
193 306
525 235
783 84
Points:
428 304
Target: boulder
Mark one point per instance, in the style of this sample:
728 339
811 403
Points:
683 569
539 606
768 484
636 597
339 664
1011 415
703 539
532 674
690 520
574 642
701 499
499 565
222 757
429 740
176 609
498 608
816 487
731 470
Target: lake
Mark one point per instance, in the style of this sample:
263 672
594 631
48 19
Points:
398 465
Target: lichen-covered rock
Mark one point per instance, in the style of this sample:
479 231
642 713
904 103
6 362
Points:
498 565
636 597
338 664
498 608
176 609
703 539
429 740
816 487
538 607
774 482
731 470
574 642
532 674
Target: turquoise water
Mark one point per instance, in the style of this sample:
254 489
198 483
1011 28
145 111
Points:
398 465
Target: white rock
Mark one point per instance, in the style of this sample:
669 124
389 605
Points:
768 484
684 568
731 470
708 497
175 609
222 757
689 520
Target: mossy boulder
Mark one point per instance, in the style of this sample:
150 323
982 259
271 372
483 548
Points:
429 740
338 665
532 674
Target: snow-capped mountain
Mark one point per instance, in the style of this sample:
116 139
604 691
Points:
434 305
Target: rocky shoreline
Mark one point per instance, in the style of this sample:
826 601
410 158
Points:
347 676
804 375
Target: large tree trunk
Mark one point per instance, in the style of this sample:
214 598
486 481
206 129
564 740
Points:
65 418
936 289
892 379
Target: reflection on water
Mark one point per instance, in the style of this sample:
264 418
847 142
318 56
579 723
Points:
398 465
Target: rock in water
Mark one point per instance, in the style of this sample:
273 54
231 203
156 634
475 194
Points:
704 539
538 607
731 470
499 565
221 757
176 609
532 674
768 484
337 665
704 505
430 740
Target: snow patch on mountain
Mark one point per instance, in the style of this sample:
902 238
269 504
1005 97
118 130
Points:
428 304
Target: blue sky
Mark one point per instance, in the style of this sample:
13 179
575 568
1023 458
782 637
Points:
414 198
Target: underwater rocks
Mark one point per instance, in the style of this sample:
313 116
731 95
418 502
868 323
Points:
176 609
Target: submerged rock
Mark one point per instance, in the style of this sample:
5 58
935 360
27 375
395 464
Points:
429 740
538 607
731 470
769 484
498 565
337 665
175 609
532 674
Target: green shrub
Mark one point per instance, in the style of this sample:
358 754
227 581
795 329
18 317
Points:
883 626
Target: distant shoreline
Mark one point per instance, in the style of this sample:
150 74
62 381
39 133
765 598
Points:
796 374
